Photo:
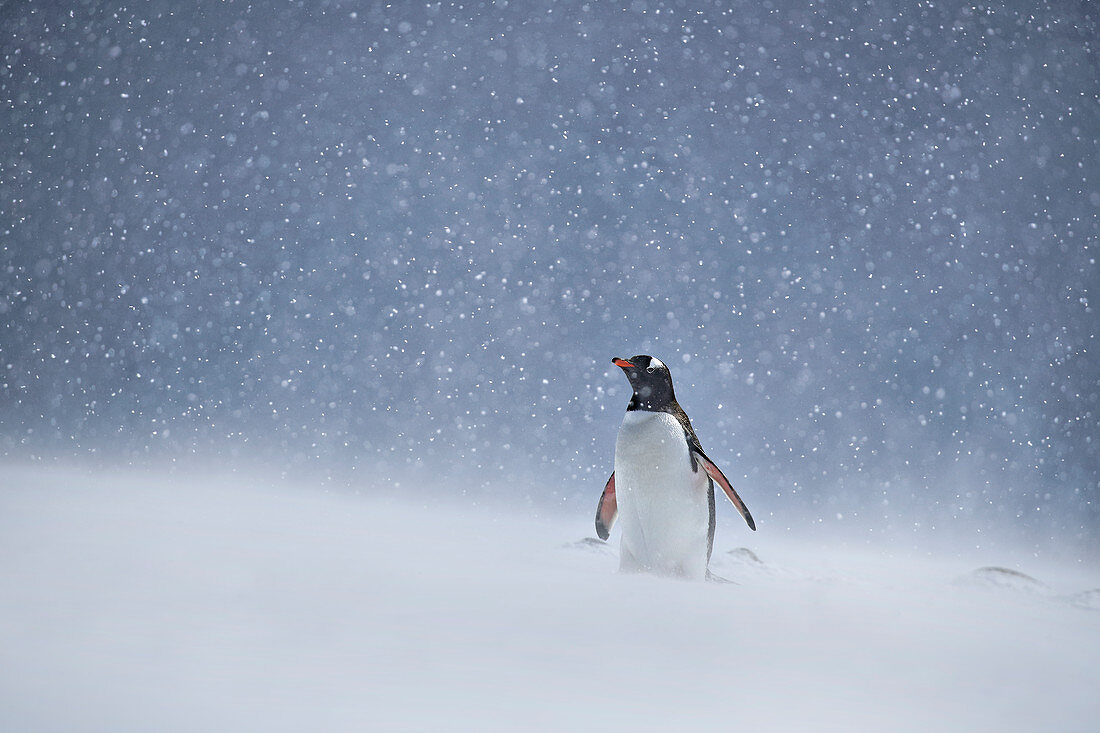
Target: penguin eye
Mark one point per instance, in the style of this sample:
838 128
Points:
651 369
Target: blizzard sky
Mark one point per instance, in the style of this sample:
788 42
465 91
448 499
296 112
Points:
359 240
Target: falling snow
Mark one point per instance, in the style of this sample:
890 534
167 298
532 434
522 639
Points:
406 239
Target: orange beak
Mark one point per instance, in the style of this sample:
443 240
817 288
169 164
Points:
621 362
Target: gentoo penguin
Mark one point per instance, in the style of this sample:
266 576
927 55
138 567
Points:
663 482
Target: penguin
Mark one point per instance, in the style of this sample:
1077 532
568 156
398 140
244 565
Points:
663 483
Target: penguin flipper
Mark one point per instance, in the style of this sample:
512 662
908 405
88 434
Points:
720 479
607 509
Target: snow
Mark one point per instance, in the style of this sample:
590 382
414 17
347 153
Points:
145 601
385 255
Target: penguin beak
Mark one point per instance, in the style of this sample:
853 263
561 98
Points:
622 363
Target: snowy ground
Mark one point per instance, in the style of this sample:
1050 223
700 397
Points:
157 604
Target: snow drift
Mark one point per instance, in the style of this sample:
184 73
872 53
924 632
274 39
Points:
147 603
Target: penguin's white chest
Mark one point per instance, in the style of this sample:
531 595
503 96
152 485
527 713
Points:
663 506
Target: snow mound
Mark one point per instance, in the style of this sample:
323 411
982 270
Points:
1007 579
589 544
737 564
1089 599
745 556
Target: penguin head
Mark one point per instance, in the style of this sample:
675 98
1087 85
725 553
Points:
650 380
